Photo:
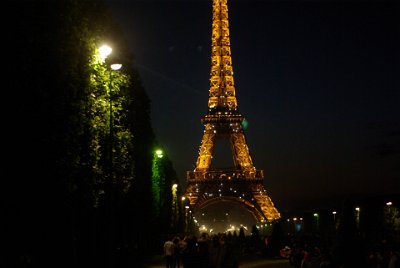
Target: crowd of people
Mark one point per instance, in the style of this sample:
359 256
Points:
220 251
384 257
206 251
308 256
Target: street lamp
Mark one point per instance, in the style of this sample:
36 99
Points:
316 216
334 216
159 153
186 218
116 66
105 51
357 209
175 208
389 204
112 67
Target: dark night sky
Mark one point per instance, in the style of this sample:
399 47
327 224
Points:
318 82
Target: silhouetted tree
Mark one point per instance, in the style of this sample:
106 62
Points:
255 240
276 241
348 249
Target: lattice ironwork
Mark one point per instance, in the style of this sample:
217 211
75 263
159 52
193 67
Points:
243 184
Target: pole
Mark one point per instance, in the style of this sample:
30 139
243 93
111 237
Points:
111 184
111 121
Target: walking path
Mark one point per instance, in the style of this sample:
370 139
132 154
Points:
245 262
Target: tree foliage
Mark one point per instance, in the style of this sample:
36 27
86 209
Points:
348 249
80 183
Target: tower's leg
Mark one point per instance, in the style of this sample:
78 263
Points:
206 150
241 151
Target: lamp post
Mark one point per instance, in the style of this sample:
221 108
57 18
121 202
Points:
174 204
389 204
105 51
182 219
157 172
357 209
187 218
316 216
113 67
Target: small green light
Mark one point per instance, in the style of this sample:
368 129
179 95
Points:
245 124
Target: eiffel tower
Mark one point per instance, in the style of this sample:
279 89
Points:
242 184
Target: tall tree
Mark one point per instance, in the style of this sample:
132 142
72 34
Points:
348 249
276 240
64 200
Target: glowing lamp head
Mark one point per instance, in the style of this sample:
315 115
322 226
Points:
116 66
105 50
159 153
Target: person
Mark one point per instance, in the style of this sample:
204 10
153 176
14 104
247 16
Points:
296 256
169 252
311 258
394 261
177 252
228 255
326 260
203 251
190 256
214 253
182 245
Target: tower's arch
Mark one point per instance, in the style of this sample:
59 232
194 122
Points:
255 212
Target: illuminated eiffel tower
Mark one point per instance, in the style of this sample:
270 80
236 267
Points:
242 184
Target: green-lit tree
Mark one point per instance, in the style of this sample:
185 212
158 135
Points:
68 199
163 180
391 215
